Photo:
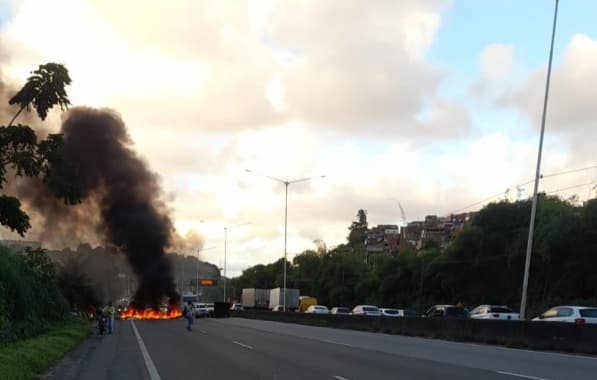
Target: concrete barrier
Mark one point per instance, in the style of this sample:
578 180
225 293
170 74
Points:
565 337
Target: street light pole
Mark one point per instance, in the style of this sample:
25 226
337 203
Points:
225 253
527 263
286 184
285 241
225 241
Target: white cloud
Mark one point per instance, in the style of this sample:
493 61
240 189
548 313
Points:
288 90
496 61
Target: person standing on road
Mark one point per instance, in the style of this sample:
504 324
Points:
187 313
110 311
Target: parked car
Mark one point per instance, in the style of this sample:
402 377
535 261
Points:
210 309
200 309
278 308
340 311
494 312
236 307
317 309
369 310
407 313
447 311
390 312
572 314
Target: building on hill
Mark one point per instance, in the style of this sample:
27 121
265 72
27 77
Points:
439 229
382 239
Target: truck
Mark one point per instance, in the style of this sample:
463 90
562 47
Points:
276 298
305 302
254 298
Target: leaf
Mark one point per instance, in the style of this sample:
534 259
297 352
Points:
12 216
45 88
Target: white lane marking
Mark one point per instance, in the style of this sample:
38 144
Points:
520 375
242 345
340 378
153 372
332 342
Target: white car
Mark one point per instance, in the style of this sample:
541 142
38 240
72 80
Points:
340 311
317 309
571 314
210 309
389 312
499 312
237 307
369 310
200 309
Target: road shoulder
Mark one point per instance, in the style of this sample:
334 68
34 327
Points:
105 357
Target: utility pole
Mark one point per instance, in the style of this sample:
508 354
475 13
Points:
527 263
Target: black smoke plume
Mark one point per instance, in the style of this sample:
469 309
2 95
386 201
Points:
111 180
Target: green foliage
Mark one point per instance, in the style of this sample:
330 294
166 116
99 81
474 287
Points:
484 264
12 216
358 229
21 152
30 301
45 88
29 358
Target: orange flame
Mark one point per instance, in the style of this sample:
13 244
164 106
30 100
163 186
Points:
171 313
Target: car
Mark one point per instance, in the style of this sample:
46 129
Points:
340 311
388 312
278 308
447 311
368 310
200 309
210 309
499 312
407 313
571 314
317 309
236 307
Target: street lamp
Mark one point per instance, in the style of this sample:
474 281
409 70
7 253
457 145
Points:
226 228
286 184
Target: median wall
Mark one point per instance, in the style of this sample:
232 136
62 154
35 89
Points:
523 334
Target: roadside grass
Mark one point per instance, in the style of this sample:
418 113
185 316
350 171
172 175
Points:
26 359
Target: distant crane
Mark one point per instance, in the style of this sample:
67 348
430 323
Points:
401 210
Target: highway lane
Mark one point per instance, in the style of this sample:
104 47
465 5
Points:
546 365
247 349
238 348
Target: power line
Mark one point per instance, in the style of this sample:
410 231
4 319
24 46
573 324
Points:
568 171
543 176
572 187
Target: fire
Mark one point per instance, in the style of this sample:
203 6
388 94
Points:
170 313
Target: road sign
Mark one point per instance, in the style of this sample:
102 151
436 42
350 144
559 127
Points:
207 282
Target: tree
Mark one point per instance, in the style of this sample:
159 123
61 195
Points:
358 230
19 148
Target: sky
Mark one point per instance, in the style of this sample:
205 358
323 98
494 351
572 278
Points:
432 104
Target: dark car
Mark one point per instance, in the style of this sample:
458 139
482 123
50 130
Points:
447 311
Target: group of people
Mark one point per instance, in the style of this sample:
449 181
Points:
103 316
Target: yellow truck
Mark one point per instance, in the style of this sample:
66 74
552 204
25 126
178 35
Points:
305 302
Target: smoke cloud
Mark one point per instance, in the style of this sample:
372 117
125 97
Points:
121 200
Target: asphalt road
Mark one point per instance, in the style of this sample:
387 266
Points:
248 349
